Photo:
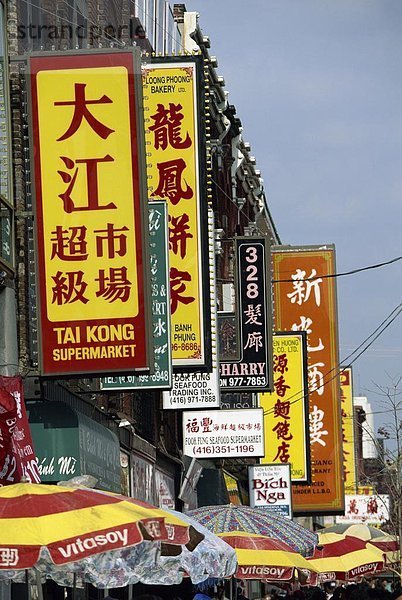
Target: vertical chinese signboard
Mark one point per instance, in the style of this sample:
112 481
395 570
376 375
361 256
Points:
286 409
305 300
252 371
195 389
162 376
92 265
175 151
348 433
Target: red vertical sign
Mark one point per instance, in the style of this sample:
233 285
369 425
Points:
17 456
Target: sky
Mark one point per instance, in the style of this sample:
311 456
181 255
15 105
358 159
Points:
317 85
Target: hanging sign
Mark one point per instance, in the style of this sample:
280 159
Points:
252 371
90 220
160 301
17 456
348 431
270 486
223 433
197 389
305 300
286 409
176 150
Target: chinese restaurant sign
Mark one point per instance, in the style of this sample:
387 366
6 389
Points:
305 300
286 409
175 150
223 433
89 214
162 376
270 487
348 434
17 455
196 389
252 371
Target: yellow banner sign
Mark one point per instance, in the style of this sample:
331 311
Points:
348 433
172 144
89 214
286 409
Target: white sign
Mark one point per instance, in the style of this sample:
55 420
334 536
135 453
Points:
200 390
164 490
224 433
270 486
372 510
193 390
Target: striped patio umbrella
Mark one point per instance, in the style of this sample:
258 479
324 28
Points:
261 557
345 558
224 518
381 540
103 537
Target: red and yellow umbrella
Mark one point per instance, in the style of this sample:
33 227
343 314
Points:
385 542
345 558
73 524
261 557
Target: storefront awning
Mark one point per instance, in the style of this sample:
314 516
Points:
67 443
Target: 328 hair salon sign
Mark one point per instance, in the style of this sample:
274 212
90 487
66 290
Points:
17 456
251 370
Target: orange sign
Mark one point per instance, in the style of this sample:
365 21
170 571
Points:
348 434
305 300
89 214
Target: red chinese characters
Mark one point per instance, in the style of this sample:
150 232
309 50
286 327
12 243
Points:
172 186
282 427
71 244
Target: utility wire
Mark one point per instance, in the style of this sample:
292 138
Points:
334 275
338 368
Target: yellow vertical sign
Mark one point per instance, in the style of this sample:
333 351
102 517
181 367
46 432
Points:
171 133
348 434
285 409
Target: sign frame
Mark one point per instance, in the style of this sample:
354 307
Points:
325 494
233 449
246 382
269 467
204 362
305 395
84 59
140 382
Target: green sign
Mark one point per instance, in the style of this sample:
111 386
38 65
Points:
162 376
68 443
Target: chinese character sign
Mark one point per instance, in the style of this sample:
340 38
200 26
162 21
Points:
348 434
223 433
305 300
162 376
17 455
89 221
286 408
371 510
253 370
174 149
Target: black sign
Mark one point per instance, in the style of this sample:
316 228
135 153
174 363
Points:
252 371
237 400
